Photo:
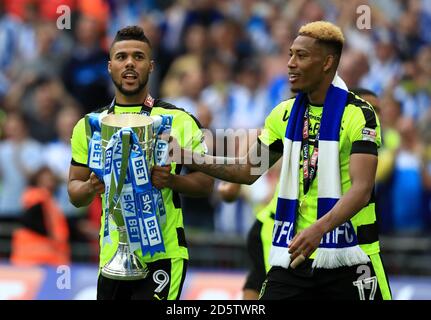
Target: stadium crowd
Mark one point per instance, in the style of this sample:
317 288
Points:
225 62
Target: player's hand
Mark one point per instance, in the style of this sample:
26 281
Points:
161 177
96 186
305 243
229 192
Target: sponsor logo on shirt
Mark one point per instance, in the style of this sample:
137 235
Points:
369 134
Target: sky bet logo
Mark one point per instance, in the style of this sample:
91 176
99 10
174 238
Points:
140 171
128 204
161 152
96 156
108 160
146 203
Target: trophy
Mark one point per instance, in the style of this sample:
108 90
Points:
124 265
122 151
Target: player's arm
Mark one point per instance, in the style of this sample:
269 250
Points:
243 170
253 161
193 184
83 186
362 173
228 191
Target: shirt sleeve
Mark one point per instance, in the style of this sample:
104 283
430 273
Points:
187 130
273 132
79 144
364 130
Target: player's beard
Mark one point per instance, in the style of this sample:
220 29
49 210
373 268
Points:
133 92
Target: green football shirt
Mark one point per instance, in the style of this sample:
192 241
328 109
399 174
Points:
359 133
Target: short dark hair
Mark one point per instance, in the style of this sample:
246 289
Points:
130 33
334 47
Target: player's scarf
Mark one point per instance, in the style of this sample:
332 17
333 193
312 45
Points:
338 247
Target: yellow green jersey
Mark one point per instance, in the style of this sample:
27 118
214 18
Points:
359 133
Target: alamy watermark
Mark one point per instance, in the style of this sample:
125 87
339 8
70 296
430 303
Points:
228 147
64 278
64 18
363 22
366 284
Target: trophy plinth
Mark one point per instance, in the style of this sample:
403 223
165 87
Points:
124 265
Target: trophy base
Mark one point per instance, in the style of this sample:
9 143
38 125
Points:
124 265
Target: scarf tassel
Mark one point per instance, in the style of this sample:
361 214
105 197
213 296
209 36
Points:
330 258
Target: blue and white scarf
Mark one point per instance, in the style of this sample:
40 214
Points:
338 247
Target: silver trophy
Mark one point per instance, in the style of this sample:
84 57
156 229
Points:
125 265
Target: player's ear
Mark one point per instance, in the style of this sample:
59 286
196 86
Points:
151 66
329 63
109 66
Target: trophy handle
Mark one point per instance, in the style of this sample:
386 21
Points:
125 140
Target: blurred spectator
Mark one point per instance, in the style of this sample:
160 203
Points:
97 10
425 133
409 40
53 48
408 213
216 94
43 108
256 23
415 87
198 212
203 12
191 83
85 74
152 27
389 114
249 98
127 12
45 9
190 62
353 67
20 157
27 46
57 156
385 68
43 237
230 42
9 30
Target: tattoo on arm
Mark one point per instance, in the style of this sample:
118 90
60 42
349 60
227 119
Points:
243 170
